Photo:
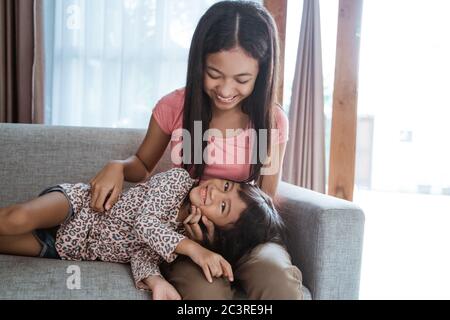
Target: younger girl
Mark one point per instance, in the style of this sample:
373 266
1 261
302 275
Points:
144 227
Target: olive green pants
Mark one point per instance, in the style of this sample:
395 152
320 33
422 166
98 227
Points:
265 273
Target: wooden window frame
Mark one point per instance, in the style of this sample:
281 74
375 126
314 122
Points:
345 99
278 9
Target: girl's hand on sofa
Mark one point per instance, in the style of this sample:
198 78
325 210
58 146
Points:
106 186
161 289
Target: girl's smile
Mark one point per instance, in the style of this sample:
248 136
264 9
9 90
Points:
224 100
203 194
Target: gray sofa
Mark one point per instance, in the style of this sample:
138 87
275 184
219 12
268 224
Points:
325 233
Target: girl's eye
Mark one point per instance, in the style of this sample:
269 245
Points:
213 77
223 206
218 77
227 186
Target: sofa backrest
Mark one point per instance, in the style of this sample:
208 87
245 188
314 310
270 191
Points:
34 157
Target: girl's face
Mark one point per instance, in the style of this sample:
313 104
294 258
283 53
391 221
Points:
229 77
219 201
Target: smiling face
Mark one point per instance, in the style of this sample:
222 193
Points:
229 77
219 201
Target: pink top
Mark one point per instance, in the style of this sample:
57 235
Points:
227 157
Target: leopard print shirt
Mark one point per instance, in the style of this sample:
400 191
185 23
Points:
140 229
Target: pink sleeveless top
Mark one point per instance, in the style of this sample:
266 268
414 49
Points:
227 157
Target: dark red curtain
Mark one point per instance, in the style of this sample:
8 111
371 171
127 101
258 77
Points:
16 60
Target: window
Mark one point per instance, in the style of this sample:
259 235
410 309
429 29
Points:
402 156
110 61
402 174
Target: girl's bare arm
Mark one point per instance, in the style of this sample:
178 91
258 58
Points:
269 182
139 167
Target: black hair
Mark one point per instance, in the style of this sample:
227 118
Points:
226 25
258 223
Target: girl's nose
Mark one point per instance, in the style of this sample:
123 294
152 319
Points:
214 192
226 90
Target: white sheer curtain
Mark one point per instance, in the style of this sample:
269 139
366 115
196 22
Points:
109 61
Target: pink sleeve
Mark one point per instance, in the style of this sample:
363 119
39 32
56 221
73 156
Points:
282 124
166 112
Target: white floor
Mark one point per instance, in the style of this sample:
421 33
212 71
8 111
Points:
406 251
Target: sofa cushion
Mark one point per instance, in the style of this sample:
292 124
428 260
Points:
33 158
42 279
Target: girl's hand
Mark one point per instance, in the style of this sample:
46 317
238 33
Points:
106 186
161 289
212 264
193 230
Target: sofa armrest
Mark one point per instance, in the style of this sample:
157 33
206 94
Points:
325 237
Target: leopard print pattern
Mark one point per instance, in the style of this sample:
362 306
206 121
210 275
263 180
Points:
140 229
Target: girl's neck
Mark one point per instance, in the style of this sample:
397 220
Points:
220 114
229 119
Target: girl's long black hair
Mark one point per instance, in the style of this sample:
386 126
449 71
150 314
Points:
224 26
